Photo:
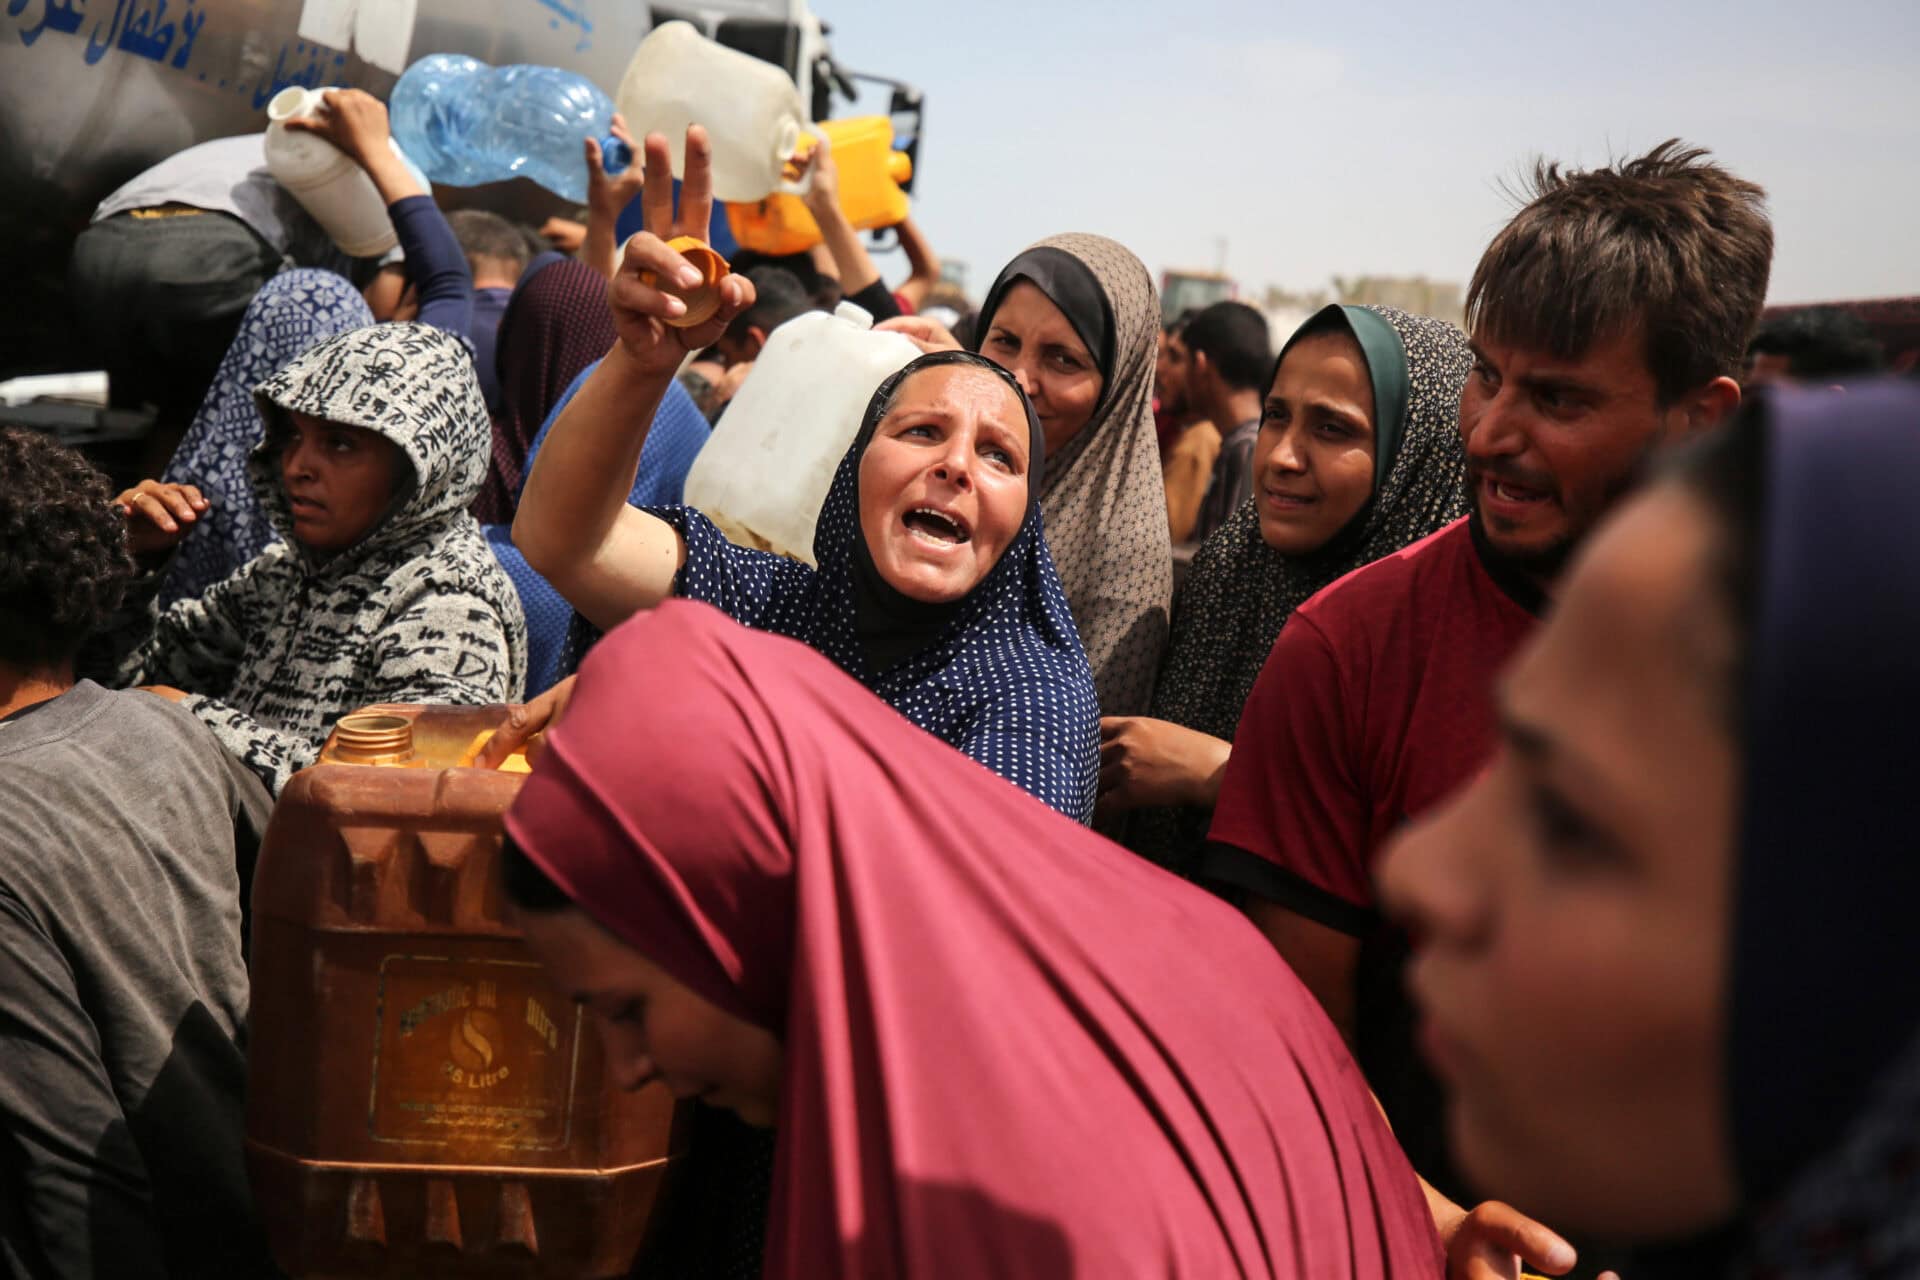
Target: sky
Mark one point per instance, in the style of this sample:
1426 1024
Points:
1383 138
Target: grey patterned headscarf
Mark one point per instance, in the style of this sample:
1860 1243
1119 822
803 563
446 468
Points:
1102 495
1241 591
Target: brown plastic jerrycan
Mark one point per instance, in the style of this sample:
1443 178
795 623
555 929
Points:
420 1101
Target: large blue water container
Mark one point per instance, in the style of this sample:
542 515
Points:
466 123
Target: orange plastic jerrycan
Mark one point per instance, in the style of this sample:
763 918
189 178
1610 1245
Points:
871 172
420 1100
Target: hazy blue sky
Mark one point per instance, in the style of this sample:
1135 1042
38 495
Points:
1371 138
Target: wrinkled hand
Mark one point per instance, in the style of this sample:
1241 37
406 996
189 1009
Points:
607 196
1494 1241
639 309
1156 762
354 121
928 335
523 723
825 189
159 515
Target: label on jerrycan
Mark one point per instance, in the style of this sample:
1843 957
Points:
474 1053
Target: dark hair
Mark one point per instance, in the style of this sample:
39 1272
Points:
1233 336
778 298
490 236
823 289
526 885
1178 325
966 330
64 564
1669 242
1819 342
1727 470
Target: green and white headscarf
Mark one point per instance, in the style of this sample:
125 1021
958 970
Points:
1240 591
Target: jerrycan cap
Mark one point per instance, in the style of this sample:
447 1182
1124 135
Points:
704 298
294 101
854 314
372 738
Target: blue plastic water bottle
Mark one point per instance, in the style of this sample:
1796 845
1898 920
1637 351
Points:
465 123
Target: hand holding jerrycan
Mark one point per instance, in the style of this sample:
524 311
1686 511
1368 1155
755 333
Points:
750 109
329 184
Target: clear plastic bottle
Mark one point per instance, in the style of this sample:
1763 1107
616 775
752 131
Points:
465 123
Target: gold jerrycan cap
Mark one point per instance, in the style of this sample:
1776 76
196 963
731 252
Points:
373 738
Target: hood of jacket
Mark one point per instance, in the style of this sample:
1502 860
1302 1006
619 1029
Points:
412 384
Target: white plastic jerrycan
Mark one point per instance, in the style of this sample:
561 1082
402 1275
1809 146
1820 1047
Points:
764 474
750 109
326 181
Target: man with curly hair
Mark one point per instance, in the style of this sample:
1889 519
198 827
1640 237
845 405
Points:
124 829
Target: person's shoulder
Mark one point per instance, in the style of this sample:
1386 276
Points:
1393 583
450 568
87 721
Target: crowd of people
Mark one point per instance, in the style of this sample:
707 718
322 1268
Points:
1492 845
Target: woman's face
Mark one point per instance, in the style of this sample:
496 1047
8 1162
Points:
1034 341
655 1027
1313 459
1570 908
943 483
339 481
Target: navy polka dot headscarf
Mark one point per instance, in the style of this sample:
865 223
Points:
999 674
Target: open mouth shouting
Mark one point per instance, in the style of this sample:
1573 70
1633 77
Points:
1509 497
937 528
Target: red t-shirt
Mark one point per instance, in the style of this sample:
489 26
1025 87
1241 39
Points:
1376 702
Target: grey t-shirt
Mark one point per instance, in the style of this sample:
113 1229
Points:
230 175
1232 478
123 996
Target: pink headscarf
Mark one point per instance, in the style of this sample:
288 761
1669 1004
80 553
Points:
1012 1048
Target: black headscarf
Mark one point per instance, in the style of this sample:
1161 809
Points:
1822 1064
1070 285
1241 591
1102 491
892 626
1823 1055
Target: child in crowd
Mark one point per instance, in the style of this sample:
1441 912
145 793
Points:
383 590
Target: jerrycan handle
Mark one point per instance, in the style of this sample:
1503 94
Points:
787 186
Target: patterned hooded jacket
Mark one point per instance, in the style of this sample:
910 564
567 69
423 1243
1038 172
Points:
418 611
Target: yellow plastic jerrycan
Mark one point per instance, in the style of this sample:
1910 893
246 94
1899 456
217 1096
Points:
871 172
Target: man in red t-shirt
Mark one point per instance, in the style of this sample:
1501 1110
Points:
1609 317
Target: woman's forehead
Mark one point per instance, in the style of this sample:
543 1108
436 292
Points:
1028 306
956 388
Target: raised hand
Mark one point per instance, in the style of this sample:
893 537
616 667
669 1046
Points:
608 195
354 121
641 307
159 515
824 191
